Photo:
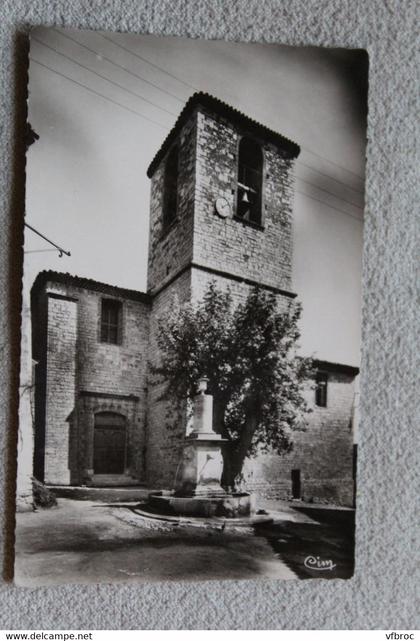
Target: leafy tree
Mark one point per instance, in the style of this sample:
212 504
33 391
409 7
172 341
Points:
248 353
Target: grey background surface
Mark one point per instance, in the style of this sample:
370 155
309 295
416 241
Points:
381 594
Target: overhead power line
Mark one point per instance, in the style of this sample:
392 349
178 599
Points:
340 182
97 93
96 53
323 202
136 113
133 53
112 82
149 62
119 66
333 163
349 202
39 251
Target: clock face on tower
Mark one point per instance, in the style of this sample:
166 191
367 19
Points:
222 207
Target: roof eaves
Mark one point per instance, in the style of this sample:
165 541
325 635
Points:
205 100
328 366
85 283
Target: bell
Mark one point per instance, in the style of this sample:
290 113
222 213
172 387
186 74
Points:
245 198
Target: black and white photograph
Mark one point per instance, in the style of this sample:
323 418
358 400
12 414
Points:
190 351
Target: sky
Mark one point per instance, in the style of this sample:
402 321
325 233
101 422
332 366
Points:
102 104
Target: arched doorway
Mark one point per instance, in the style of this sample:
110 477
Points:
109 443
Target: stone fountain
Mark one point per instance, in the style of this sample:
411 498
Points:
197 490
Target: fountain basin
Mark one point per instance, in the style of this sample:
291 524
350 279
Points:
235 505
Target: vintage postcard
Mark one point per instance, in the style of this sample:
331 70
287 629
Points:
191 310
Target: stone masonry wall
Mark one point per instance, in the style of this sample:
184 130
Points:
200 281
263 254
39 317
60 387
166 427
172 248
83 435
208 155
83 376
105 367
99 370
323 452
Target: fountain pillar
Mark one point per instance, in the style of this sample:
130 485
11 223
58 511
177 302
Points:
200 470
197 491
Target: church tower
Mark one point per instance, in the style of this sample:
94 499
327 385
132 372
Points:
220 210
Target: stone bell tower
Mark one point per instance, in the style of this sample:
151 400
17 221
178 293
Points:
220 210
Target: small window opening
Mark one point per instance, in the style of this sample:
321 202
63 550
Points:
111 321
321 389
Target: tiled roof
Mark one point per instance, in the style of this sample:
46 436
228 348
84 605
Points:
234 115
86 283
339 368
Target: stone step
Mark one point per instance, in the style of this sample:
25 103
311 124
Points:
134 493
113 480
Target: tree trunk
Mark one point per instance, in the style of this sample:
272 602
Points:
219 409
235 452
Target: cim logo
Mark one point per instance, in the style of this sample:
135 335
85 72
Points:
316 563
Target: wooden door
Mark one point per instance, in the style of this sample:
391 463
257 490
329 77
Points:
109 445
296 484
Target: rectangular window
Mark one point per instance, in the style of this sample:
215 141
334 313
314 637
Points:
111 321
321 389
